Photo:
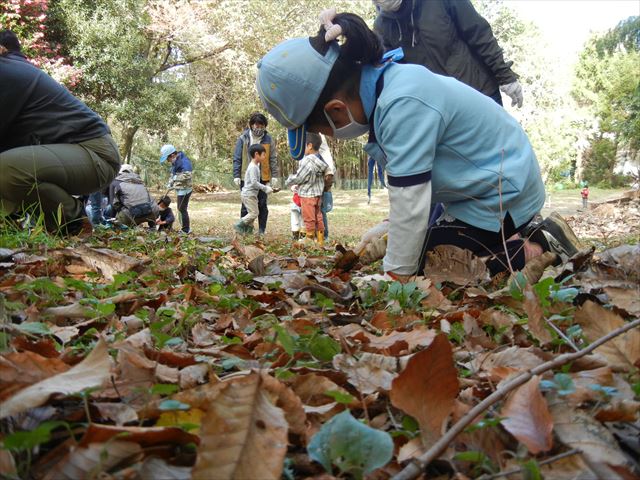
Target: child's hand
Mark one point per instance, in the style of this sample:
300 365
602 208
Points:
268 190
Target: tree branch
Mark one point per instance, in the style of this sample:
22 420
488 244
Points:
549 460
420 463
213 53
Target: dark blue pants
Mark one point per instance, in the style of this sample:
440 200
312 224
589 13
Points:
183 204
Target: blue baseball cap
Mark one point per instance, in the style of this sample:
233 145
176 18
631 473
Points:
290 79
165 151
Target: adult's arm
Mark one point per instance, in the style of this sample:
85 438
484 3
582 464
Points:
237 158
477 33
273 159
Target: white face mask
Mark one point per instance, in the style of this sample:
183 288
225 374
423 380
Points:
388 5
352 129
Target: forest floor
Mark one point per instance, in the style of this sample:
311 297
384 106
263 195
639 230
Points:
132 355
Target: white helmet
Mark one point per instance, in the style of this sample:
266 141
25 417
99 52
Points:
126 168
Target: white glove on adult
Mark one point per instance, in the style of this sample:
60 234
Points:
237 181
514 90
269 190
275 184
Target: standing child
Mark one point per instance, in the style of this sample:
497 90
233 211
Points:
310 181
296 214
166 218
585 195
252 186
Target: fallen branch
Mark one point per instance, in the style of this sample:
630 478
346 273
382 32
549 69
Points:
549 460
420 463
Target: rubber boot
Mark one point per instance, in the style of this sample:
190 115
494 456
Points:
320 239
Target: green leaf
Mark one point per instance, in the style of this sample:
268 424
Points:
36 328
353 447
565 295
517 286
285 339
173 405
564 384
324 348
164 389
340 397
410 424
105 309
531 470
471 456
30 439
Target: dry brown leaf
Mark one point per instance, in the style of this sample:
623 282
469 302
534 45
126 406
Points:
583 380
512 357
536 322
157 469
527 417
89 461
626 298
622 352
7 465
448 263
118 413
577 429
285 398
569 468
619 411
243 435
106 261
20 369
93 371
144 436
369 373
193 375
426 389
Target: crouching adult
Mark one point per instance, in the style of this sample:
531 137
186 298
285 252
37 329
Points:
132 203
53 149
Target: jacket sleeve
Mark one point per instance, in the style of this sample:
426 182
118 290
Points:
237 158
477 33
273 159
301 175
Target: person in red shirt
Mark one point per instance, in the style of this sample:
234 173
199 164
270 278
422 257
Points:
585 195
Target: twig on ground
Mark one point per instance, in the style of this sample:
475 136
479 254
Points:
420 463
555 458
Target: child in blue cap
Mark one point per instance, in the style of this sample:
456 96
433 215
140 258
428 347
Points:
441 141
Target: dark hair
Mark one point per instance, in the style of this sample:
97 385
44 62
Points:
314 139
166 200
255 149
257 117
10 41
362 46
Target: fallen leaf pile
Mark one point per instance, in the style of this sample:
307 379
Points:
175 358
605 222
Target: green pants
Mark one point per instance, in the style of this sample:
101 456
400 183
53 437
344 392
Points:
47 176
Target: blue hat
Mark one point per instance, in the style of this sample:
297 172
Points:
291 77
165 151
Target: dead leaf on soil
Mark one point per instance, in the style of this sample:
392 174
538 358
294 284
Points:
371 372
21 369
93 371
526 417
622 352
448 263
536 322
89 461
578 430
107 262
242 434
426 389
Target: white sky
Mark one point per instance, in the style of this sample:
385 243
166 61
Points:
567 23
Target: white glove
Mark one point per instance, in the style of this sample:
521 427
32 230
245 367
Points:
269 190
237 181
514 90
372 235
275 184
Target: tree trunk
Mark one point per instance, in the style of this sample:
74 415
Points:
127 143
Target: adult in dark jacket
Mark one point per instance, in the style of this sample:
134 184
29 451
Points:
132 202
181 181
451 38
52 148
269 171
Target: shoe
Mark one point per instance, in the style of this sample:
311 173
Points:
239 227
320 239
554 234
80 227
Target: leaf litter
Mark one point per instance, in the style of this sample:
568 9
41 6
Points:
163 357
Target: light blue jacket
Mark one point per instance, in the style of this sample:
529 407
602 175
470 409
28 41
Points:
477 156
